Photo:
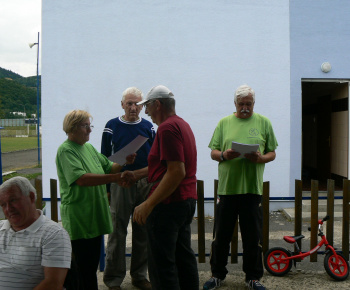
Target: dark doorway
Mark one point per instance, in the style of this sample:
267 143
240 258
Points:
323 160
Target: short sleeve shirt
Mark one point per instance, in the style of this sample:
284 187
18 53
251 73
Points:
25 253
174 141
84 209
239 175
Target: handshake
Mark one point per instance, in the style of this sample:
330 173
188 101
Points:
126 178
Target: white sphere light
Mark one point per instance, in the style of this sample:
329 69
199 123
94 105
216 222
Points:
326 67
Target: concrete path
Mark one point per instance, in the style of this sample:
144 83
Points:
12 161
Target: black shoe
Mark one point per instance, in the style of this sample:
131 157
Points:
212 283
142 284
255 284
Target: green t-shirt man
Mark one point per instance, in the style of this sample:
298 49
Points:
239 175
84 209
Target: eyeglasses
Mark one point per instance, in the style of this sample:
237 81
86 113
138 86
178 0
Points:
87 126
149 103
130 104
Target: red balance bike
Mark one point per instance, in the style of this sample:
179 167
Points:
278 261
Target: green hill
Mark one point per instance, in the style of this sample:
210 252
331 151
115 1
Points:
4 73
17 93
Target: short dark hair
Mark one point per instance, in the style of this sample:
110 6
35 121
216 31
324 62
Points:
168 103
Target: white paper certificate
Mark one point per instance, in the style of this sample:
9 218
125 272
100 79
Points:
244 148
120 156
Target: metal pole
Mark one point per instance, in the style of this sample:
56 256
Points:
0 159
37 102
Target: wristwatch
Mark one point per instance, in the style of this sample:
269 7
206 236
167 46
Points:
222 158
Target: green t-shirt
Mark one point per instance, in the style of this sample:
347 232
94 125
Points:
84 209
239 175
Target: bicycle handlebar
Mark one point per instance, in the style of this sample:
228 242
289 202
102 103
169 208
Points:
320 222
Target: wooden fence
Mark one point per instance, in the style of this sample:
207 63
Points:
330 211
266 209
234 241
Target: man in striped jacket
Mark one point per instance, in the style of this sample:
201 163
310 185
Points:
35 252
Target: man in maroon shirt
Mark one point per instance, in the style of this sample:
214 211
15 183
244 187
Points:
169 209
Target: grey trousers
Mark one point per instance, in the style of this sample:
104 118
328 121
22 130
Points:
123 202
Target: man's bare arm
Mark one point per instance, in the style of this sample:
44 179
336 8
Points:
54 279
228 154
175 174
257 157
130 177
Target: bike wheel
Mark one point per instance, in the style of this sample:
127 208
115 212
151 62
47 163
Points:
338 271
273 263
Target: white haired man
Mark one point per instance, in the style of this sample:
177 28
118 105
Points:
240 187
35 252
117 133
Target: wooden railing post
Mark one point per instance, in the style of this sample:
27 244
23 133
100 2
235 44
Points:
39 193
216 184
266 216
53 197
298 205
314 218
330 211
201 221
345 237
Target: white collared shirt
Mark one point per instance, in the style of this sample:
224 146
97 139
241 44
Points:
25 253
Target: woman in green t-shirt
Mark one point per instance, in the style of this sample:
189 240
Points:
83 173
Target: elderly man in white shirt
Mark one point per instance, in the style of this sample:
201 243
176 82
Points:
35 252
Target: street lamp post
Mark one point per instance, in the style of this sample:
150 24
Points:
37 95
0 159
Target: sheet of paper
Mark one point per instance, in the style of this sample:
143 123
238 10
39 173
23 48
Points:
120 156
244 148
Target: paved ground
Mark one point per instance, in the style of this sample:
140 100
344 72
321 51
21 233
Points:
306 275
13 161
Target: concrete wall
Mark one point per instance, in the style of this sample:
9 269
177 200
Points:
202 50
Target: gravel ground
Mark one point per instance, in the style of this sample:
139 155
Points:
306 275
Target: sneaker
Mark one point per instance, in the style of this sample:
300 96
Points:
212 283
255 284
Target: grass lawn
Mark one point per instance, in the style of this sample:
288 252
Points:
9 144
29 176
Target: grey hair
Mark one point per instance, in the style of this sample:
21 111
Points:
132 91
22 183
243 91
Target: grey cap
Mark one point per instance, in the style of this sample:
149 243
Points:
157 92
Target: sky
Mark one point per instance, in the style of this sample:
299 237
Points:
20 22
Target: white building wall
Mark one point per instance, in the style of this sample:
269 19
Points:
202 50
319 32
